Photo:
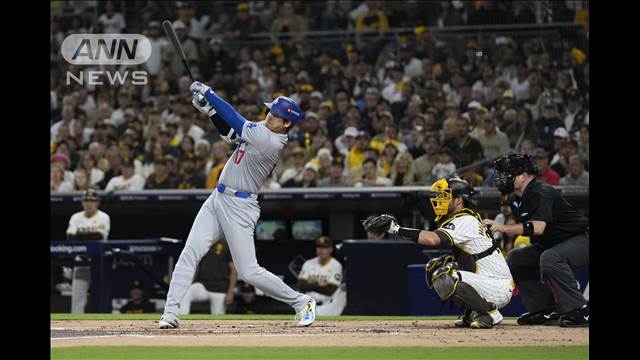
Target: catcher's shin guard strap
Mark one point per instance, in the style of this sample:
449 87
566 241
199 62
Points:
410 234
465 295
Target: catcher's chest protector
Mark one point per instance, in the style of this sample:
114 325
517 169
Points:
466 261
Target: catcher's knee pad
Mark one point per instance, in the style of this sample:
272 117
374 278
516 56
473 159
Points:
466 296
445 281
435 264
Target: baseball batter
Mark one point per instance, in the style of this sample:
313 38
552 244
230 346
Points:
232 210
477 277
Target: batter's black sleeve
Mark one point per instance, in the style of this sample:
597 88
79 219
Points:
221 125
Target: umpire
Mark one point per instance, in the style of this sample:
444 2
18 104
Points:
559 234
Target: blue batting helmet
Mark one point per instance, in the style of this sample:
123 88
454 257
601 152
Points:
286 108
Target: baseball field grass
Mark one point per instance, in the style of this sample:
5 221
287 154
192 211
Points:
201 336
237 353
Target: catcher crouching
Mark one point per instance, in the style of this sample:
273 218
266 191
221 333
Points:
476 277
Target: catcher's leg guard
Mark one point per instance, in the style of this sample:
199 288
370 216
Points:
465 295
445 281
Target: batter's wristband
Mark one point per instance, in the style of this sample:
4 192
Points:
410 234
527 228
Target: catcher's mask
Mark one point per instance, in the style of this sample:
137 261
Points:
510 166
445 190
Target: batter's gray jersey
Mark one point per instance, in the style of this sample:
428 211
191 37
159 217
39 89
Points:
254 157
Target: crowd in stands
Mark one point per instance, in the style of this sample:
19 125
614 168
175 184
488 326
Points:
380 110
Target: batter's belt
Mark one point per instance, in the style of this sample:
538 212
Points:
222 188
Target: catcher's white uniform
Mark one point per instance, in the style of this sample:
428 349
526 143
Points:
492 278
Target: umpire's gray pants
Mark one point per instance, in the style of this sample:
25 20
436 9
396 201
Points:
545 277
224 215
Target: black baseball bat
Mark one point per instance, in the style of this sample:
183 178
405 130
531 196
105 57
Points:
171 34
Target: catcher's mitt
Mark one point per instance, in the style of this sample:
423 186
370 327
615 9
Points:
379 224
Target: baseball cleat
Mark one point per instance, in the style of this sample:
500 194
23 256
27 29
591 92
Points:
487 321
308 315
466 319
548 317
168 322
576 318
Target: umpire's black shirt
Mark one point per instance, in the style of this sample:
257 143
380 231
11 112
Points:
541 201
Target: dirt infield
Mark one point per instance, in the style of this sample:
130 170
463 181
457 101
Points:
322 333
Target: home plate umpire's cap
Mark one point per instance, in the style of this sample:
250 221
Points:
286 108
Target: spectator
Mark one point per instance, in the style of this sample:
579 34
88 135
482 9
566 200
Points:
138 304
545 173
159 44
188 46
125 102
221 153
112 22
88 164
371 19
322 162
66 120
336 176
388 156
356 154
81 180
583 142
576 176
393 92
58 183
321 277
203 151
412 65
128 181
548 123
214 281
445 167
403 170
449 15
309 177
520 84
62 161
187 146
575 114
242 24
425 163
159 178
187 127
494 142
345 142
289 23
463 149
527 147
560 162
217 60
370 177
188 178
249 303
521 129
295 172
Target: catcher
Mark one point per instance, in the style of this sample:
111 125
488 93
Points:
476 277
